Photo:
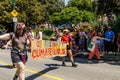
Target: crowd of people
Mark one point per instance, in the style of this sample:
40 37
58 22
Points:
100 40
107 41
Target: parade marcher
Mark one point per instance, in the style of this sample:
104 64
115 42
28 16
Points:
65 39
38 34
95 51
18 52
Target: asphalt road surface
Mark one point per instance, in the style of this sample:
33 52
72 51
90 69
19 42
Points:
51 69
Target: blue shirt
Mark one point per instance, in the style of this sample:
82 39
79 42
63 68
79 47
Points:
109 35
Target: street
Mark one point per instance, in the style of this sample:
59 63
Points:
51 69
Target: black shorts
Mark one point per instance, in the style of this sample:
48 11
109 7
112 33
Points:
15 56
68 47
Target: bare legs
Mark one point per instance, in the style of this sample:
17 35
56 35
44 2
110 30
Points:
71 58
20 72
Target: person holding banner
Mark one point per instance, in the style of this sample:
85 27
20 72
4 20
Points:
93 47
38 34
18 53
65 39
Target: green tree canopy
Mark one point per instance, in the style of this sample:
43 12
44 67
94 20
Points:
72 14
81 4
31 12
106 6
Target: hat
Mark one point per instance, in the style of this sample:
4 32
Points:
66 30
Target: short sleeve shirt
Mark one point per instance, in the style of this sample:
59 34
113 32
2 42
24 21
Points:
65 38
109 35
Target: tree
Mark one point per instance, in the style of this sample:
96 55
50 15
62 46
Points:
81 4
106 6
5 15
73 15
31 12
53 5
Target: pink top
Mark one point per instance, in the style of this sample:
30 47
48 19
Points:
94 39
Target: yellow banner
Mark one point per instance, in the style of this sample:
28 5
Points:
44 48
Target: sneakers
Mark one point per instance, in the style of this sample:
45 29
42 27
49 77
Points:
89 61
63 64
100 61
15 77
74 65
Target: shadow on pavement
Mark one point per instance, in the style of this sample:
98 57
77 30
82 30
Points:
40 73
6 66
82 60
113 59
116 63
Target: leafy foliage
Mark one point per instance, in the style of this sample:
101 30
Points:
106 6
81 4
31 12
73 15
116 25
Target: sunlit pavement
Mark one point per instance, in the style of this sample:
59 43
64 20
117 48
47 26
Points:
51 69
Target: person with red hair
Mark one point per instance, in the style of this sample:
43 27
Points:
95 50
19 41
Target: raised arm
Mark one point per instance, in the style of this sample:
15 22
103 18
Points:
104 38
5 36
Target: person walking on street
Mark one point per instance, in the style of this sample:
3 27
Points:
65 39
18 52
95 51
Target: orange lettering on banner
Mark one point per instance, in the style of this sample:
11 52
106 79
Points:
55 44
34 54
53 51
50 52
63 51
45 54
40 52
58 51
38 43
